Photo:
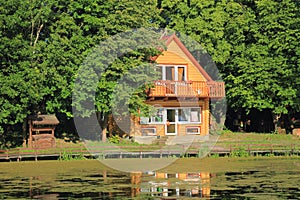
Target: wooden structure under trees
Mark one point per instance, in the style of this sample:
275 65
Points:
41 131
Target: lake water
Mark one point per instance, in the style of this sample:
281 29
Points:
219 178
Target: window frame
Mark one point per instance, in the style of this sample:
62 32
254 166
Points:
164 75
149 128
193 127
177 120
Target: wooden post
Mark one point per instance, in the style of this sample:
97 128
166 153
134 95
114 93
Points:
161 153
7 157
292 148
249 151
35 152
271 150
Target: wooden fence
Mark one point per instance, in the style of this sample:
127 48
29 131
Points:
148 151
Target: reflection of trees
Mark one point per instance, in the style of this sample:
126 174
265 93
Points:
37 193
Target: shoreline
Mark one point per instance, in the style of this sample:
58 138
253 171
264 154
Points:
213 165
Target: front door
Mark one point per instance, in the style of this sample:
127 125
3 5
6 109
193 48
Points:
171 125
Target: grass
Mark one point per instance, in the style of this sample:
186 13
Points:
257 140
228 140
246 138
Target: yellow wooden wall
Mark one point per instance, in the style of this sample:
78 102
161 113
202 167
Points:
174 55
181 128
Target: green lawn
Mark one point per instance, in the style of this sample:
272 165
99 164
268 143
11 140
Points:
227 140
237 137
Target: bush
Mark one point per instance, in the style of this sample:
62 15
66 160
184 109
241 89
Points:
114 139
240 152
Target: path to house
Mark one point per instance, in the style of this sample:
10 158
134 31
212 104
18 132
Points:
229 144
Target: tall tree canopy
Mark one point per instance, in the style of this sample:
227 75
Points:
255 44
43 43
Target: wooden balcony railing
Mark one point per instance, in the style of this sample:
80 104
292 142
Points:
216 89
167 88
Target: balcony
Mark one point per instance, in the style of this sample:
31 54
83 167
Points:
198 89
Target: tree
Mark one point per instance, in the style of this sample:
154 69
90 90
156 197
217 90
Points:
21 75
52 39
255 45
114 78
268 62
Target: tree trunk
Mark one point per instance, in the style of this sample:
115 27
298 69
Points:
110 124
24 132
103 121
104 130
276 118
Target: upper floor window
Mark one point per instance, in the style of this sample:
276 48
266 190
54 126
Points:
173 73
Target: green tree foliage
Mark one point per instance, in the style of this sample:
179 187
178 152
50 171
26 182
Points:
43 43
266 77
255 44
115 76
21 75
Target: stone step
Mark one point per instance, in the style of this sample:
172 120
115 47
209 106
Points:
161 140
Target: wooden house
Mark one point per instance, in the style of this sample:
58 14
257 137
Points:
181 97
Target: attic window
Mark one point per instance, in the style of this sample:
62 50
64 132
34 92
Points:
173 72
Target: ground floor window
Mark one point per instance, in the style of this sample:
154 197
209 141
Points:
180 115
157 118
193 130
195 115
146 131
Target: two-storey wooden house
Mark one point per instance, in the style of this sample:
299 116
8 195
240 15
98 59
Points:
181 96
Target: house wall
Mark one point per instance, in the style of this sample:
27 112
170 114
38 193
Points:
181 128
175 55
192 72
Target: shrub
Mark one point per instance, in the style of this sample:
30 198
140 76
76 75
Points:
240 152
114 139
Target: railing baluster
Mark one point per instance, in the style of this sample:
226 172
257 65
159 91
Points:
164 88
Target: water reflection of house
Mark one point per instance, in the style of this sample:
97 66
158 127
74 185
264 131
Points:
136 179
173 185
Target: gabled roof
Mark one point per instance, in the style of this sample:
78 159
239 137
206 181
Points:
44 119
174 38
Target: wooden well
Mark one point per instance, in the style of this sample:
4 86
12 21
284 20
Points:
41 131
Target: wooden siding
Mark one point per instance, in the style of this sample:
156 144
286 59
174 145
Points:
174 58
181 127
206 117
193 72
